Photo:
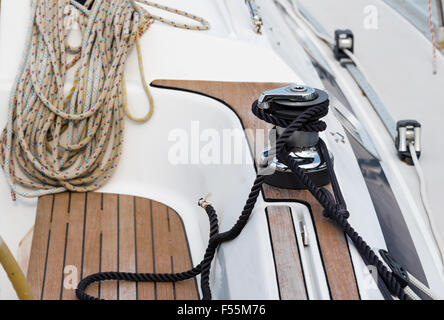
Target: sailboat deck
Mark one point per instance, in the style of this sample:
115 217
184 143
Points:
77 234
332 242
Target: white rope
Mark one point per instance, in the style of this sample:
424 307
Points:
425 202
411 281
427 291
408 291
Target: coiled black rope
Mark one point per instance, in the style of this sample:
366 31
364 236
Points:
334 208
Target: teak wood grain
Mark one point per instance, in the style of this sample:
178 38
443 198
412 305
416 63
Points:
77 234
239 96
286 254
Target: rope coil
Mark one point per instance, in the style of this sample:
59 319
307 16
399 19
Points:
53 143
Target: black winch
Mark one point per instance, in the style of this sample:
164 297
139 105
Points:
286 104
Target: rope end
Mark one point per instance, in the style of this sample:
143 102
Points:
203 203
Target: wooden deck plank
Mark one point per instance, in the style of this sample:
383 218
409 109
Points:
92 232
144 247
56 248
127 248
286 254
109 244
37 260
91 241
333 243
162 249
73 260
180 261
334 249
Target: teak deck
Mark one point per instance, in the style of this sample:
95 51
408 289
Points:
286 254
77 234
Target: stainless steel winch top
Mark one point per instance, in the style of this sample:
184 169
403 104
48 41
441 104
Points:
293 92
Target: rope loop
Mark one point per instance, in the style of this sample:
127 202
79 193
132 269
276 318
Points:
204 24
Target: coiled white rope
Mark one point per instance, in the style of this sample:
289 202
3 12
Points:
54 143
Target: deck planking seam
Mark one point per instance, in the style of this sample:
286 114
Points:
135 244
153 247
46 265
82 239
118 245
286 255
100 264
64 260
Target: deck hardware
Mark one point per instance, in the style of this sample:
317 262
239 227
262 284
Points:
291 93
344 40
338 137
398 270
402 132
407 280
287 103
334 203
255 17
203 203
409 131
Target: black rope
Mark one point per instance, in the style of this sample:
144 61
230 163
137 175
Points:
154 277
334 208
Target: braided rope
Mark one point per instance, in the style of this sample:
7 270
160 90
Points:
204 24
202 267
432 34
334 206
307 119
53 143
215 239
